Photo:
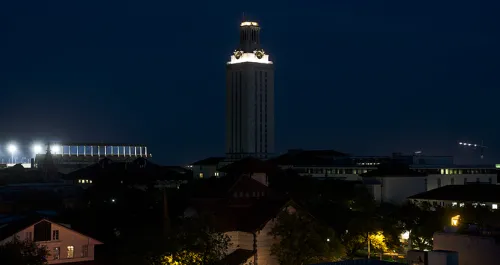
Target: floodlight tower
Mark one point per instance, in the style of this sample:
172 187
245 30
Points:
481 147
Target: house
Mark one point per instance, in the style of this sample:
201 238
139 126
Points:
243 207
248 227
64 244
206 168
460 195
394 182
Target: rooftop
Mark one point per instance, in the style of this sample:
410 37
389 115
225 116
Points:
462 193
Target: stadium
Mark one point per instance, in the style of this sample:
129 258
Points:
69 157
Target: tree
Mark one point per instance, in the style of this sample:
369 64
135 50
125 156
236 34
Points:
23 252
194 241
303 240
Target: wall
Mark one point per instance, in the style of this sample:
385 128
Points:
67 237
264 243
398 189
240 240
472 250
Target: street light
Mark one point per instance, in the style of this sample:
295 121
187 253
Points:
12 150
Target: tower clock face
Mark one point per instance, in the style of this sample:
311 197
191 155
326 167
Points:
259 54
238 54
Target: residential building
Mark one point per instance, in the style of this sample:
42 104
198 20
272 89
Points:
64 244
249 98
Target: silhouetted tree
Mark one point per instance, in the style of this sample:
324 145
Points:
16 252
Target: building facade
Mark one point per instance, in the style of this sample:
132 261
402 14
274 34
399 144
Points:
64 244
249 98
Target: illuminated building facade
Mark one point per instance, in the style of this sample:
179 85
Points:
249 98
69 157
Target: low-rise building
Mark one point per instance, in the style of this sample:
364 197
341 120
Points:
64 244
475 194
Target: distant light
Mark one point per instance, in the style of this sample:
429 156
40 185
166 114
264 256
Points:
55 149
405 235
454 220
113 200
327 240
37 148
460 143
12 148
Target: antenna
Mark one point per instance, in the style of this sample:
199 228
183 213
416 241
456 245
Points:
481 147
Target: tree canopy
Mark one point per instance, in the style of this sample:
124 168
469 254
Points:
304 240
25 252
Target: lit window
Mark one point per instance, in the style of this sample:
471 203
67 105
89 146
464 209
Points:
80 181
201 175
216 174
90 181
454 204
494 206
442 171
71 252
462 204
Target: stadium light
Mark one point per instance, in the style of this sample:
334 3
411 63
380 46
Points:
55 149
12 148
37 149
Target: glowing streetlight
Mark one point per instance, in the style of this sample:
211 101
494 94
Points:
12 148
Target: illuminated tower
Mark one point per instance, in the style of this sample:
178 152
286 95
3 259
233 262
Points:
249 98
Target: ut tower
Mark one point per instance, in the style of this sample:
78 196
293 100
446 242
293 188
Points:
249 98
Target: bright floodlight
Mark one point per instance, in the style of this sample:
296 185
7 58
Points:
12 148
55 149
37 148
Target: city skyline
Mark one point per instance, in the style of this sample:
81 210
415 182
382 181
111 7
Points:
362 78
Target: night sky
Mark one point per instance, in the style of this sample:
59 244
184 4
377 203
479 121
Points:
363 77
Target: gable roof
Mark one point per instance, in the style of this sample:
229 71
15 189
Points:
462 193
250 218
8 229
223 186
209 161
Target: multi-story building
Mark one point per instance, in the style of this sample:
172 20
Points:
249 98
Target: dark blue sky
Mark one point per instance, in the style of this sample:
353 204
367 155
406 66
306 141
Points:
365 77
